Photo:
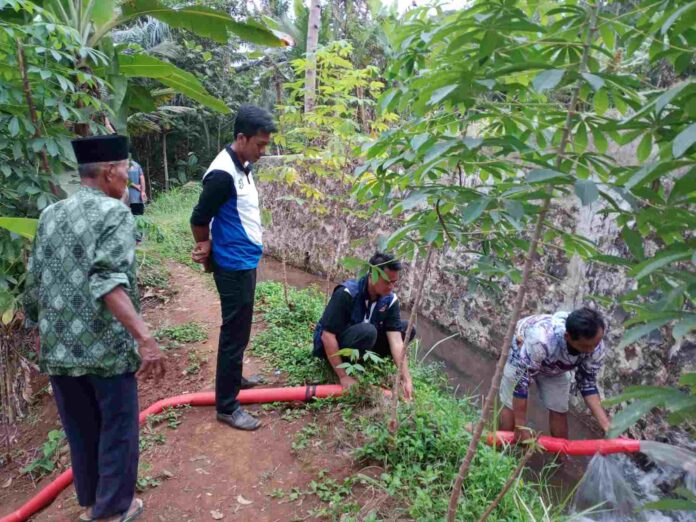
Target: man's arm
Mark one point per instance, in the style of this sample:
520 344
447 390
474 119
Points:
595 405
143 192
331 349
119 304
217 189
114 255
396 347
586 379
519 408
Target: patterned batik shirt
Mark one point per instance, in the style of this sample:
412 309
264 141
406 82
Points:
539 348
84 248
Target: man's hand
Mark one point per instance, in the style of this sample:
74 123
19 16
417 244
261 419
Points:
153 360
201 253
523 434
595 404
407 386
143 196
347 382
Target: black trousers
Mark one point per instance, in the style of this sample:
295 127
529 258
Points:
236 289
365 336
100 418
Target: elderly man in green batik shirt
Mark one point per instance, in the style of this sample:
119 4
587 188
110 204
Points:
81 290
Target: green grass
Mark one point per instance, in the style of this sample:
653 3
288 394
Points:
421 459
190 332
286 343
166 235
169 216
152 272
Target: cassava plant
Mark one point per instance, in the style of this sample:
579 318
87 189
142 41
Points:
509 109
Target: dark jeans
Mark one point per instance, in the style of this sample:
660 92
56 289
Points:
100 418
236 289
365 336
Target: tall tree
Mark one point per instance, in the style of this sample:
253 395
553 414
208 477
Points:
312 41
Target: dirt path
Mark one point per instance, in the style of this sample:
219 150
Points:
202 470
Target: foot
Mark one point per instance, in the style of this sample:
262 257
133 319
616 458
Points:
87 515
134 511
240 420
252 381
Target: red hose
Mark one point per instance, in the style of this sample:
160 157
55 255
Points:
573 447
298 393
305 393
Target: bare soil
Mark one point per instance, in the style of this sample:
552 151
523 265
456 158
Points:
204 470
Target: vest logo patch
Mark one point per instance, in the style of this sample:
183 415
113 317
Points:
383 309
240 185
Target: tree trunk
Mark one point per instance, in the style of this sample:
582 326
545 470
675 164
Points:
278 83
148 182
312 41
147 166
362 116
218 140
522 291
164 160
32 112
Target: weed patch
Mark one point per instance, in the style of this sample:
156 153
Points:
50 453
421 459
286 343
307 436
175 336
149 438
152 273
146 480
172 416
195 362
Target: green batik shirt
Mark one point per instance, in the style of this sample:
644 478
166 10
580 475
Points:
84 248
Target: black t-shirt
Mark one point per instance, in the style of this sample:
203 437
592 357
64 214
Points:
337 314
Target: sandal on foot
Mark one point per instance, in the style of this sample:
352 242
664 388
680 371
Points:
86 516
134 511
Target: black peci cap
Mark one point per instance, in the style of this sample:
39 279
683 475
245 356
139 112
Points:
99 149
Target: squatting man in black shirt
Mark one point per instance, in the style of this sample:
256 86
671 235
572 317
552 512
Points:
364 315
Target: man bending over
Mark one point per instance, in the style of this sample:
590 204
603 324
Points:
545 349
364 315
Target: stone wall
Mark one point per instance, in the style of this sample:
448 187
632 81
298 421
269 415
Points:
316 243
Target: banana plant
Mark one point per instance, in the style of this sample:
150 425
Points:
95 19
